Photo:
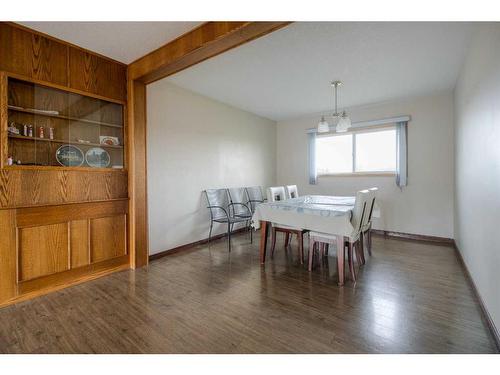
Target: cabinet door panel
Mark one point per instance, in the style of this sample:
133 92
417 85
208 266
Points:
79 240
43 250
97 75
8 287
107 237
33 55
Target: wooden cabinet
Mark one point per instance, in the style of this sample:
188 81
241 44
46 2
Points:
59 224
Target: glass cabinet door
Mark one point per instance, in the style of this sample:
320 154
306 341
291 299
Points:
51 127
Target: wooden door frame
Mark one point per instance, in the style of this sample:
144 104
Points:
199 44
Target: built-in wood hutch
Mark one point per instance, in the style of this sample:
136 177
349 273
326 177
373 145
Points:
63 164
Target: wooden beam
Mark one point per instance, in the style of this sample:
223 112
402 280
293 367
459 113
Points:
207 40
138 217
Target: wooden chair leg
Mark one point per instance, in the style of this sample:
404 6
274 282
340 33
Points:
273 241
340 259
350 260
300 237
369 240
287 239
312 243
360 250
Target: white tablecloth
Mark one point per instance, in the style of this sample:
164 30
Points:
327 214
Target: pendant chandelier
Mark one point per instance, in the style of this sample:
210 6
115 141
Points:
341 121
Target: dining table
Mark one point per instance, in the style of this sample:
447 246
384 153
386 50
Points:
319 213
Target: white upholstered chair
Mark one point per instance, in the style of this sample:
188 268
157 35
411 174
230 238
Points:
351 240
367 225
275 194
291 191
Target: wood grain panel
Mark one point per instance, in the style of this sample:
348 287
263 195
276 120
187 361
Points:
42 251
107 238
4 118
138 176
92 73
36 216
79 243
42 285
8 287
33 55
38 187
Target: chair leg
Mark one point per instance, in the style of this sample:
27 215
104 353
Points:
361 250
210 231
229 227
300 237
312 243
341 259
273 241
350 260
249 227
369 240
287 239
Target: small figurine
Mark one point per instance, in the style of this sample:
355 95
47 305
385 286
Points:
41 133
10 161
12 129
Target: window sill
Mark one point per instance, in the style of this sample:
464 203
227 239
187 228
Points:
360 174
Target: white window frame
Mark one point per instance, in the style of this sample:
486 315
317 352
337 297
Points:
371 129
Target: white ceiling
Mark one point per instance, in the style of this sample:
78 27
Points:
122 41
287 73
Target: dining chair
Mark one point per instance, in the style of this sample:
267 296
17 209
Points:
367 225
291 191
254 197
275 194
239 206
221 211
349 241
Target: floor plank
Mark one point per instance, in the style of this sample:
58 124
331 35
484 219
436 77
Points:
410 298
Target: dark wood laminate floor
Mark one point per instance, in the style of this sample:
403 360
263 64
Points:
410 298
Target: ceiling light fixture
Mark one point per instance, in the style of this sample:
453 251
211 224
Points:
342 122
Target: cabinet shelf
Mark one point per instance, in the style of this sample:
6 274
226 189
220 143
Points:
74 119
14 136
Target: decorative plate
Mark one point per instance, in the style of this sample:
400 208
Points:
108 140
97 157
69 156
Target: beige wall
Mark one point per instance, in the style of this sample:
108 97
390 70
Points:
477 169
195 143
425 206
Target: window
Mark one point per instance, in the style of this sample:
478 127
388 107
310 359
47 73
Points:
369 151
